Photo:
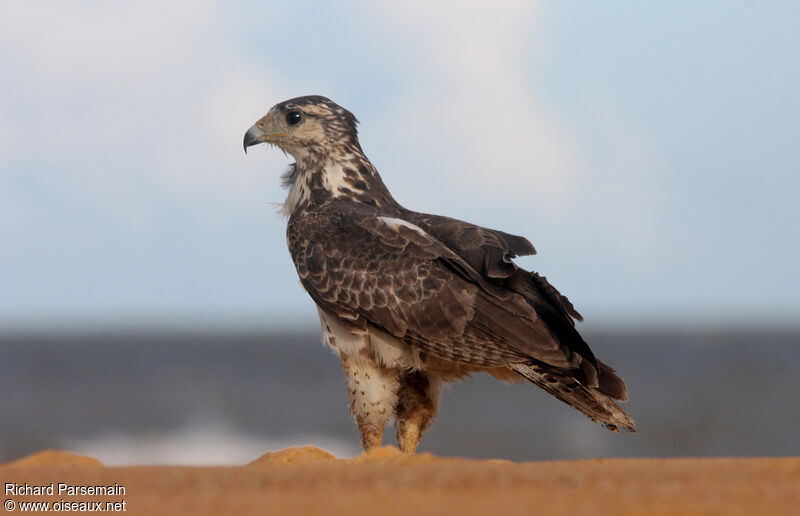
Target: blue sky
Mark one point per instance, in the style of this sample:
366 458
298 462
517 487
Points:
648 151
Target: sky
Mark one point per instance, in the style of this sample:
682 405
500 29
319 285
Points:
648 150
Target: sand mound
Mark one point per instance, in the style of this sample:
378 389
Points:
295 455
54 458
392 455
311 455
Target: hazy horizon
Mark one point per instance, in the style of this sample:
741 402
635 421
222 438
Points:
230 397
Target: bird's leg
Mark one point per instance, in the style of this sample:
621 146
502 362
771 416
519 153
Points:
372 390
417 405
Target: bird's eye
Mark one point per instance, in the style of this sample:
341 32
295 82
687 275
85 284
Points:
293 117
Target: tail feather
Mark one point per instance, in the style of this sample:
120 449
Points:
610 384
594 403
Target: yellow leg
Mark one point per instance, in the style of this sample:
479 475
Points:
408 435
417 405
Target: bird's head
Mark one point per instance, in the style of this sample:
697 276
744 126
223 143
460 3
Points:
305 126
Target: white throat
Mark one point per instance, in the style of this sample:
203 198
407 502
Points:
332 179
297 192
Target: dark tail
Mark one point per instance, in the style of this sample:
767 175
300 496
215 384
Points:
596 403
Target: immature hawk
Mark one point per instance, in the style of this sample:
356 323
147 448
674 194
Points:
408 300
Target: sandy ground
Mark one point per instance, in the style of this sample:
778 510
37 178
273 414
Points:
311 481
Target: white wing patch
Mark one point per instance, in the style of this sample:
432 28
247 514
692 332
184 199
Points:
394 224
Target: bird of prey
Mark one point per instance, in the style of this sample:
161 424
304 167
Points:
410 301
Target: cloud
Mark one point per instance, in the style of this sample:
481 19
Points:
478 113
84 42
151 97
124 190
478 131
113 98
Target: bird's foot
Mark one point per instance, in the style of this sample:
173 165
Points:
408 436
370 438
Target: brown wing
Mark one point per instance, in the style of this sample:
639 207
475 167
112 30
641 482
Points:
491 252
405 281
488 251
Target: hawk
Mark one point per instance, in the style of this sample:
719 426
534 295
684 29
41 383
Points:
411 301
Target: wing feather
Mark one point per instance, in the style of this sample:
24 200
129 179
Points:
410 284
491 252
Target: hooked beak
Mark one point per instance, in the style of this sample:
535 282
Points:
266 130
